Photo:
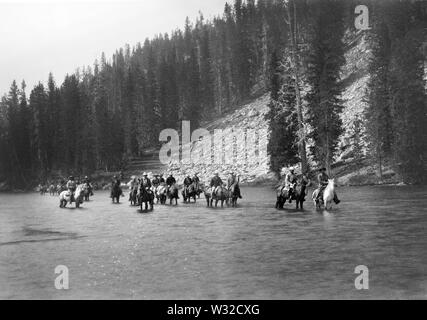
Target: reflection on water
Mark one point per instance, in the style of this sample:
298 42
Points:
191 252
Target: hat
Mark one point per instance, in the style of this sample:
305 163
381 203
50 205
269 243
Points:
216 173
292 169
71 178
322 169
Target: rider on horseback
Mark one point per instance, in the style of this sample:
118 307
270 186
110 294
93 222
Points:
87 183
187 181
115 184
133 184
71 186
145 182
290 181
233 183
156 181
170 180
196 178
196 181
323 180
215 183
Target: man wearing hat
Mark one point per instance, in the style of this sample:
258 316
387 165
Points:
170 180
71 186
233 183
133 184
215 182
196 180
188 181
86 181
323 180
156 181
115 184
145 182
290 181
161 179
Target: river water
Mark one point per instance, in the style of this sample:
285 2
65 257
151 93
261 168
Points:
191 252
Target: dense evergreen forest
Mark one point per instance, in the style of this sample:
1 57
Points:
101 116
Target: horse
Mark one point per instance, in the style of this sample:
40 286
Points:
147 197
208 195
52 190
116 193
172 193
220 195
327 197
283 195
87 192
133 196
42 189
65 197
233 195
189 192
299 195
161 194
199 189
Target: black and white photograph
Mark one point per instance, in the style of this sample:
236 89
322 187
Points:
215 150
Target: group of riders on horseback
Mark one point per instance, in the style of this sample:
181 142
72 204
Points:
145 190
294 188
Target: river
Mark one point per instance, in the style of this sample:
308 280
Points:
192 252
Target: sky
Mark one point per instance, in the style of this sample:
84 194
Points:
42 36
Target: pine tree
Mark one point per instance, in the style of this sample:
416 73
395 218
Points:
324 63
282 116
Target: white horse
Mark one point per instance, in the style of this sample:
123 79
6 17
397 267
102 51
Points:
161 194
65 196
328 196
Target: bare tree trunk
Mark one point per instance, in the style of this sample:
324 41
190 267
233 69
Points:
295 65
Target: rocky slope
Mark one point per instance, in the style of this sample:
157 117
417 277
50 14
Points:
251 167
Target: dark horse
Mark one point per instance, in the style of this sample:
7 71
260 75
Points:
88 192
298 195
233 195
116 193
173 194
147 197
133 196
189 192
220 195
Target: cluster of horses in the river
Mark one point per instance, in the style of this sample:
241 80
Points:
145 198
298 193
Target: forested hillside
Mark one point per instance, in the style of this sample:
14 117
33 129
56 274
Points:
306 54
